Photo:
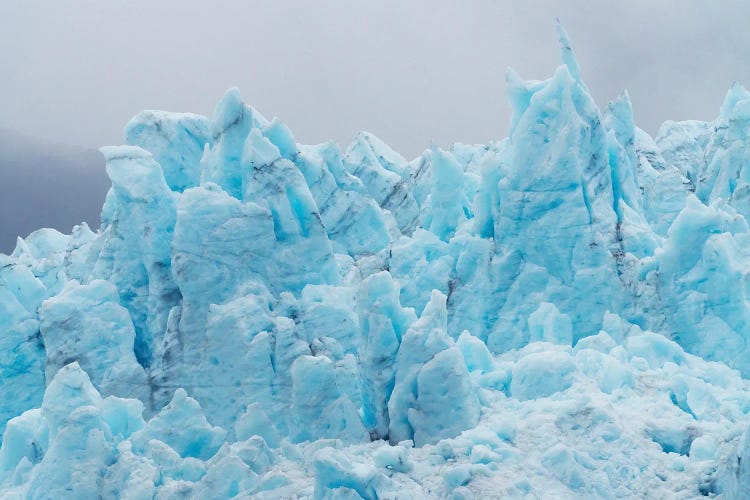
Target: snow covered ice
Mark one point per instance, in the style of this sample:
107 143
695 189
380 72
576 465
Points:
560 314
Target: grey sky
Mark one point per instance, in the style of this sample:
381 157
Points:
75 71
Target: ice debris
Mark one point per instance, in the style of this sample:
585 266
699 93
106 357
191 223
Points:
563 313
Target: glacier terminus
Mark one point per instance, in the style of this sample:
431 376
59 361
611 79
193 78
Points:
563 313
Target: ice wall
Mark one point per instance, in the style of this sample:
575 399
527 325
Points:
250 302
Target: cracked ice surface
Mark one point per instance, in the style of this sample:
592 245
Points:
562 313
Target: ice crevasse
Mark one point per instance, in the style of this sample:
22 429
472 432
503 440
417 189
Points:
560 314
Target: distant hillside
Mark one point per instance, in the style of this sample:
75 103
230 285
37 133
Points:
47 185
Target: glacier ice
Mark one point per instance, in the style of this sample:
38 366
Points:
562 313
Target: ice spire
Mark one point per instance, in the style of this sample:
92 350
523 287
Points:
568 57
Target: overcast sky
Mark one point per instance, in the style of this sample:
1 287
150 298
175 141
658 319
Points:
75 71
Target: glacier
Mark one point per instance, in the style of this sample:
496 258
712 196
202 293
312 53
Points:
563 313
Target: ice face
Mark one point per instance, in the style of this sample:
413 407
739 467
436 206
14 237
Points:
563 312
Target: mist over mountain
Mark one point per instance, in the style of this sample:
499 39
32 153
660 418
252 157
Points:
43 184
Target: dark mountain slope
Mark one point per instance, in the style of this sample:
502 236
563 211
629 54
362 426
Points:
47 185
